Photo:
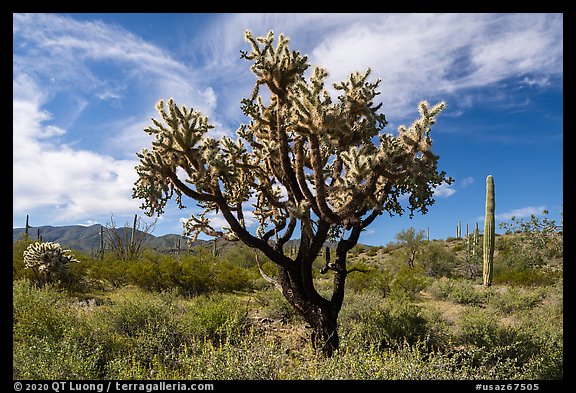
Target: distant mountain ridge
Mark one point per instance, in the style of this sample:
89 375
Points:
87 238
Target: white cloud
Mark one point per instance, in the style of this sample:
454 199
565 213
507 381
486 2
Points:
68 53
521 213
76 184
465 182
444 190
539 82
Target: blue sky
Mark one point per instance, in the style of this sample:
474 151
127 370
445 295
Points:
85 86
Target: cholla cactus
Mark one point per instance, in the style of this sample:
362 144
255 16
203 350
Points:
48 261
304 160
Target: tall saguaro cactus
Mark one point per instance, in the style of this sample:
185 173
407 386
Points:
27 227
133 234
101 250
489 234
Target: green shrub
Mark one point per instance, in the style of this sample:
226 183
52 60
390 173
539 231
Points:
438 260
190 275
109 269
367 277
525 276
240 255
274 305
461 291
372 252
464 292
409 282
18 268
513 300
442 288
217 318
498 342
398 321
40 312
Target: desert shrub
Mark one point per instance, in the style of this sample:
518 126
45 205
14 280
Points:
513 300
240 255
461 291
408 282
41 358
275 306
517 344
365 277
145 326
372 252
518 274
190 275
50 339
392 324
391 246
18 268
217 318
465 292
39 311
442 288
438 261
109 269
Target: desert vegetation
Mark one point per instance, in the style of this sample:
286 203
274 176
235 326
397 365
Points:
197 316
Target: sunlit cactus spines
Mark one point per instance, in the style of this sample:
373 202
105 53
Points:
48 261
310 160
489 232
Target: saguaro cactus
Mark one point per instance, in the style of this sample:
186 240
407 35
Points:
101 250
475 239
27 227
489 234
133 234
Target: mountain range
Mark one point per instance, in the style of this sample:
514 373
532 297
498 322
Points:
87 238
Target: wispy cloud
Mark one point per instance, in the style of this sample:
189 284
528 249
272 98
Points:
540 82
467 181
444 190
76 57
72 183
457 54
521 213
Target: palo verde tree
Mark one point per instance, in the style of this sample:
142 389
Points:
304 161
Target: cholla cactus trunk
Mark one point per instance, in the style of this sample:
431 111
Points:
489 232
48 261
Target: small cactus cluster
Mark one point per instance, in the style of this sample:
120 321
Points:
48 260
